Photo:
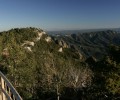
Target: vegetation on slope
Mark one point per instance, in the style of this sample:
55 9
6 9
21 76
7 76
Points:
92 43
39 71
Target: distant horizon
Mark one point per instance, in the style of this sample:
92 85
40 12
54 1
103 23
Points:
84 29
62 29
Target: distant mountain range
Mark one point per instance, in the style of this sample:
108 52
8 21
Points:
90 43
61 32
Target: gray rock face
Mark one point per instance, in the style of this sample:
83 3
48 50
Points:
62 43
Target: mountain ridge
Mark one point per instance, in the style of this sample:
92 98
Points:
41 66
92 43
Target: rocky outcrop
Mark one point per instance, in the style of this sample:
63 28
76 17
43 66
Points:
62 43
48 39
28 49
40 34
5 52
60 49
28 43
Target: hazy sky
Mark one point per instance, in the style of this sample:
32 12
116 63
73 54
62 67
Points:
59 14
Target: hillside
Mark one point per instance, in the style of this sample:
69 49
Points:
91 44
43 67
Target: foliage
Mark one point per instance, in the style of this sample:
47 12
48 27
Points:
44 73
106 80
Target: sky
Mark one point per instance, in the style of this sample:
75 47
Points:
59 14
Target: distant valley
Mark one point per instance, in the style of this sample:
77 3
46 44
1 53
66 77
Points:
89 44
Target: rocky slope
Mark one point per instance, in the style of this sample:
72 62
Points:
43 67
89 44
37 65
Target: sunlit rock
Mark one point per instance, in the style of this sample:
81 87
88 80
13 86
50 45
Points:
5 52
40 34
30 43
60 49
48 39
28 48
